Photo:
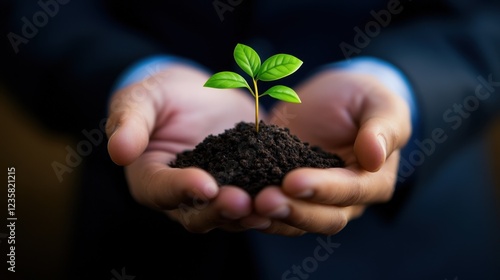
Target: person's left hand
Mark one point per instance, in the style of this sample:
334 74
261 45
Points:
359 119
153 120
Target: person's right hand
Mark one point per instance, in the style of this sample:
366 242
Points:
153 120
358 118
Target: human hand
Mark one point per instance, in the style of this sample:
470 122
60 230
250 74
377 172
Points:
153 120
359 119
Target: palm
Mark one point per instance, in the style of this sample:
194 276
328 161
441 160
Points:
355 117
174 115
188 112
330 113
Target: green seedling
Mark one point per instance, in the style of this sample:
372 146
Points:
274 68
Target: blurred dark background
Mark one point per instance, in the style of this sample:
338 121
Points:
46 206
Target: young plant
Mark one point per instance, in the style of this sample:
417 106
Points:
274 68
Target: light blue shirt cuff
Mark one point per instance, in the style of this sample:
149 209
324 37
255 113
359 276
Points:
147 67
388 75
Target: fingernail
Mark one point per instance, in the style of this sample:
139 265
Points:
210 190
257 225
111 135
305 194
263 225
280 213
383 144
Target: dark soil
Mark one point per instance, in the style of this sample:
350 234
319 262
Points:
242 157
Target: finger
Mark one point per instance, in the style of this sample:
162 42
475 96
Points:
131 121
300 214
254 221
281 228
156 185
343 186
384 127
231 204
278 227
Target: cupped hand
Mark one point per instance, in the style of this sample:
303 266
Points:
153 120
356 117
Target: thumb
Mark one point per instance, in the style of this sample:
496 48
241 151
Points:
385 126
130 123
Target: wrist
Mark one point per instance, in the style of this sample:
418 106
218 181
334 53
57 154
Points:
148 67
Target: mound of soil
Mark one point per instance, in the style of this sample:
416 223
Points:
242 157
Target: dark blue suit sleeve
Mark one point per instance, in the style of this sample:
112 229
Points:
453 63
62 57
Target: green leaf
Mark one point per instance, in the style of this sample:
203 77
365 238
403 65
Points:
248 59
283 93
278 66
226 79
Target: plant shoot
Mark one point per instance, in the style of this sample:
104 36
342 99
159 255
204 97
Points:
274 68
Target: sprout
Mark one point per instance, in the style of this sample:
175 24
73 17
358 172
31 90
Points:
274 68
